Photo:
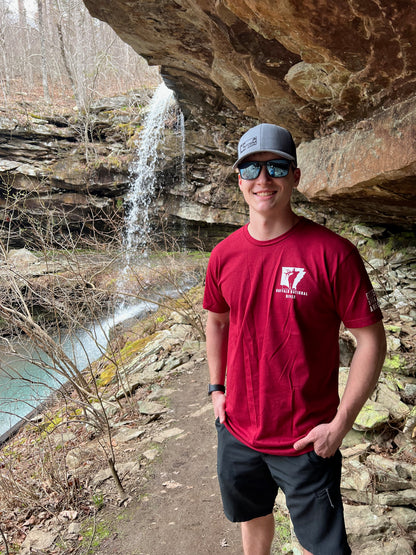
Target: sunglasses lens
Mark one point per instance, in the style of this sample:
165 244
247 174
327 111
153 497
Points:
275 168
249 170
278 168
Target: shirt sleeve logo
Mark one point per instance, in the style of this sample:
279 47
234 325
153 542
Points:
372 300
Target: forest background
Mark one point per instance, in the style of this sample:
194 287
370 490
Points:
53 54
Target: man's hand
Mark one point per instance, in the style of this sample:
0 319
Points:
218 401
325 441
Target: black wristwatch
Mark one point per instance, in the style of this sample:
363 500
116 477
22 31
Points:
215 387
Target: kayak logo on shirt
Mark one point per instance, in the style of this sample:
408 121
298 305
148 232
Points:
289 280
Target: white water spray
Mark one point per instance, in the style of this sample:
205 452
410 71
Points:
143 186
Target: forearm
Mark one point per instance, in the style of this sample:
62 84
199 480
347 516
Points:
217 346
365 369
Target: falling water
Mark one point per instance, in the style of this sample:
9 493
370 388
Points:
143 186
181 121
182 174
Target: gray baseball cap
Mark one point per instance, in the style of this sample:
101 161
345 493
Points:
266 137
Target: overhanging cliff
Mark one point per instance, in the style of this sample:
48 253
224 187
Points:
340 75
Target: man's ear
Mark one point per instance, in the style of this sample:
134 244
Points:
239 180
296 175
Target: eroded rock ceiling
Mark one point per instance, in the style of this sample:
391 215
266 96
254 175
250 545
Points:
340 75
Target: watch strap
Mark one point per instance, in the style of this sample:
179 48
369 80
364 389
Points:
215 387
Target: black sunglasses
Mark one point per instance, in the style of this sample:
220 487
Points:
275 168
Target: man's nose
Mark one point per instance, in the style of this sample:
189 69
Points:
264 174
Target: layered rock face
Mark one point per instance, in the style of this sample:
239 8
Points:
54 184
340 75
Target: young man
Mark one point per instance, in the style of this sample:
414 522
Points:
276 293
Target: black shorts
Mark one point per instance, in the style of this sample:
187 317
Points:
249 481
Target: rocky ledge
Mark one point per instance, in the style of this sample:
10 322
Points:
54 180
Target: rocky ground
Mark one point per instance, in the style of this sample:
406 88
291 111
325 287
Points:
57 492
166 459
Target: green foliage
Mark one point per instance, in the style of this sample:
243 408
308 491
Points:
394 363
283 535
198 255
93 535
98 500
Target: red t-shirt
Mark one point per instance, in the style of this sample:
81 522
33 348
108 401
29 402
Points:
287 298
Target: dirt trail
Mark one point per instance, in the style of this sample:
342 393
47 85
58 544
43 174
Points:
180 512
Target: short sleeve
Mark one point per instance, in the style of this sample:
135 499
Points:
213 298
355 297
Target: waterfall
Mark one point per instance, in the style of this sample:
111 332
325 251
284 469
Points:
181 120
24 385
143 186
182 176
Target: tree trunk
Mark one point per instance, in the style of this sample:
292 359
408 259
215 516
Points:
4 64
24 49
66 61
43 54
116 476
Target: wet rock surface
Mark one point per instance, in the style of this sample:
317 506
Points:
51 178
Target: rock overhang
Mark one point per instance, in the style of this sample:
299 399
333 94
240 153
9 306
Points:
340 76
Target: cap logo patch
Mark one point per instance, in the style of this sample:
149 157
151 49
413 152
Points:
248 144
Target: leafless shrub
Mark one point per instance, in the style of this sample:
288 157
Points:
45 305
